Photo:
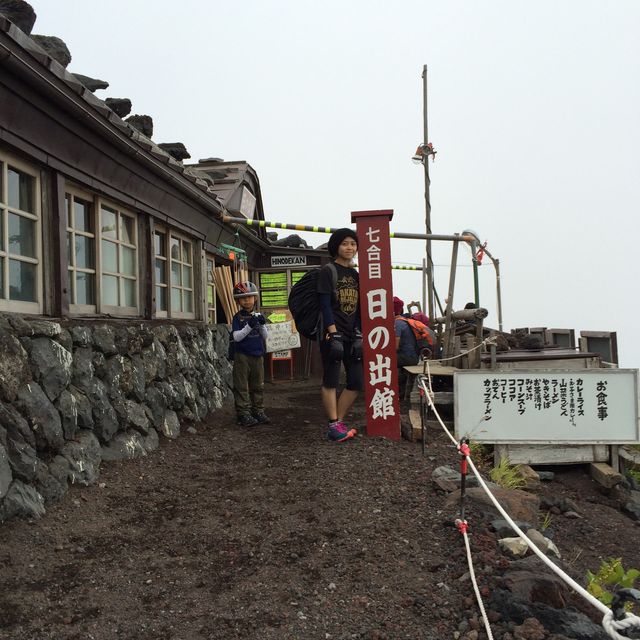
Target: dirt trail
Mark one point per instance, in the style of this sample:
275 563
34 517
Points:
269 532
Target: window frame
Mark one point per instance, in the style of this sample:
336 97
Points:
117 310
161 313
6 304
169 235
76 193
211 313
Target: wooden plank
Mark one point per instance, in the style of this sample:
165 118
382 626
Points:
615 458
199 278
146 266
59 273
473 355
434 368
457 349
551 453
604 475
416 425
224 289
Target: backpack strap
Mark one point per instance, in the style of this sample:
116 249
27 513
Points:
334 275
334 283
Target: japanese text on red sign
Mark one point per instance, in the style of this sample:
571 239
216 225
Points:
379 369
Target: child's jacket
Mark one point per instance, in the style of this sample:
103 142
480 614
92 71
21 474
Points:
253 343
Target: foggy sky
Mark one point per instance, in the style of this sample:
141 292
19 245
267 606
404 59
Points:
533 109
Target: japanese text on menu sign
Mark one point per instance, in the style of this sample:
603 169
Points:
589 405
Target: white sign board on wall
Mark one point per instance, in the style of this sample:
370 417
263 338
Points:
547 406
281 337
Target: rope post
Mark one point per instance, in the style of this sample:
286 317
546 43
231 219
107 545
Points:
423 417
462 526
464 450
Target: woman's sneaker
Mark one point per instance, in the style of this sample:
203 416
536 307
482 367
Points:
338 432
246 420
261 417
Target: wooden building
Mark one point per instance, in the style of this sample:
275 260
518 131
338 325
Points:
116 272
96 219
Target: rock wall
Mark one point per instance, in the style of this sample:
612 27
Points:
74 395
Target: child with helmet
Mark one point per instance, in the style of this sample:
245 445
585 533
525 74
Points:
249 333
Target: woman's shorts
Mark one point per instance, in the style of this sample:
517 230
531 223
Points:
331 368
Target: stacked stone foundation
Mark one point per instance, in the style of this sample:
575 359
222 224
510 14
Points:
73 395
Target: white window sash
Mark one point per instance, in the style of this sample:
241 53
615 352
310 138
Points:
6 304
75 308
103 308
190 315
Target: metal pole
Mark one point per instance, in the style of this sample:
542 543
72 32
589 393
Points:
316 229
476 284
449 330
424 285
427 200
496 264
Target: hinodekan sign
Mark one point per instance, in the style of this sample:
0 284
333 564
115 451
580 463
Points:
288 261
376 311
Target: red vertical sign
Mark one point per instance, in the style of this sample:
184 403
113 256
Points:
376 309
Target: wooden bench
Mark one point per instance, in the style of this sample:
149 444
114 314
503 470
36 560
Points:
435 368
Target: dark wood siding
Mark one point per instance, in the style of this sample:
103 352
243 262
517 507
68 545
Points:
46 133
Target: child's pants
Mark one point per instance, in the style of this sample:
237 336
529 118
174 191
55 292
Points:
248 383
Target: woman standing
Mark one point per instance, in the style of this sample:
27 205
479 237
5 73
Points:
338 288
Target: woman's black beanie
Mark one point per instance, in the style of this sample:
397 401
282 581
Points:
336 240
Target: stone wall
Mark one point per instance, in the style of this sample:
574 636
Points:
73 395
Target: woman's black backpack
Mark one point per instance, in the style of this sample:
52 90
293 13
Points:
304 302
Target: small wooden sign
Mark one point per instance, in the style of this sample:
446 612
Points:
280 337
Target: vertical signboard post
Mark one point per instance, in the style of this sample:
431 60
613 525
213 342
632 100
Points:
376 310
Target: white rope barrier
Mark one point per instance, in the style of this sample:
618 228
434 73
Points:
462 525
610 625
472 573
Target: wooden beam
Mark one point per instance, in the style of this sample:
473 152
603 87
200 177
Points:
60 272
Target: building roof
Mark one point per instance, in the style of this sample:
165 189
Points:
18 49
226 177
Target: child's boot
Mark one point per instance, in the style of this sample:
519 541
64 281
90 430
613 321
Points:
261 416
246 420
